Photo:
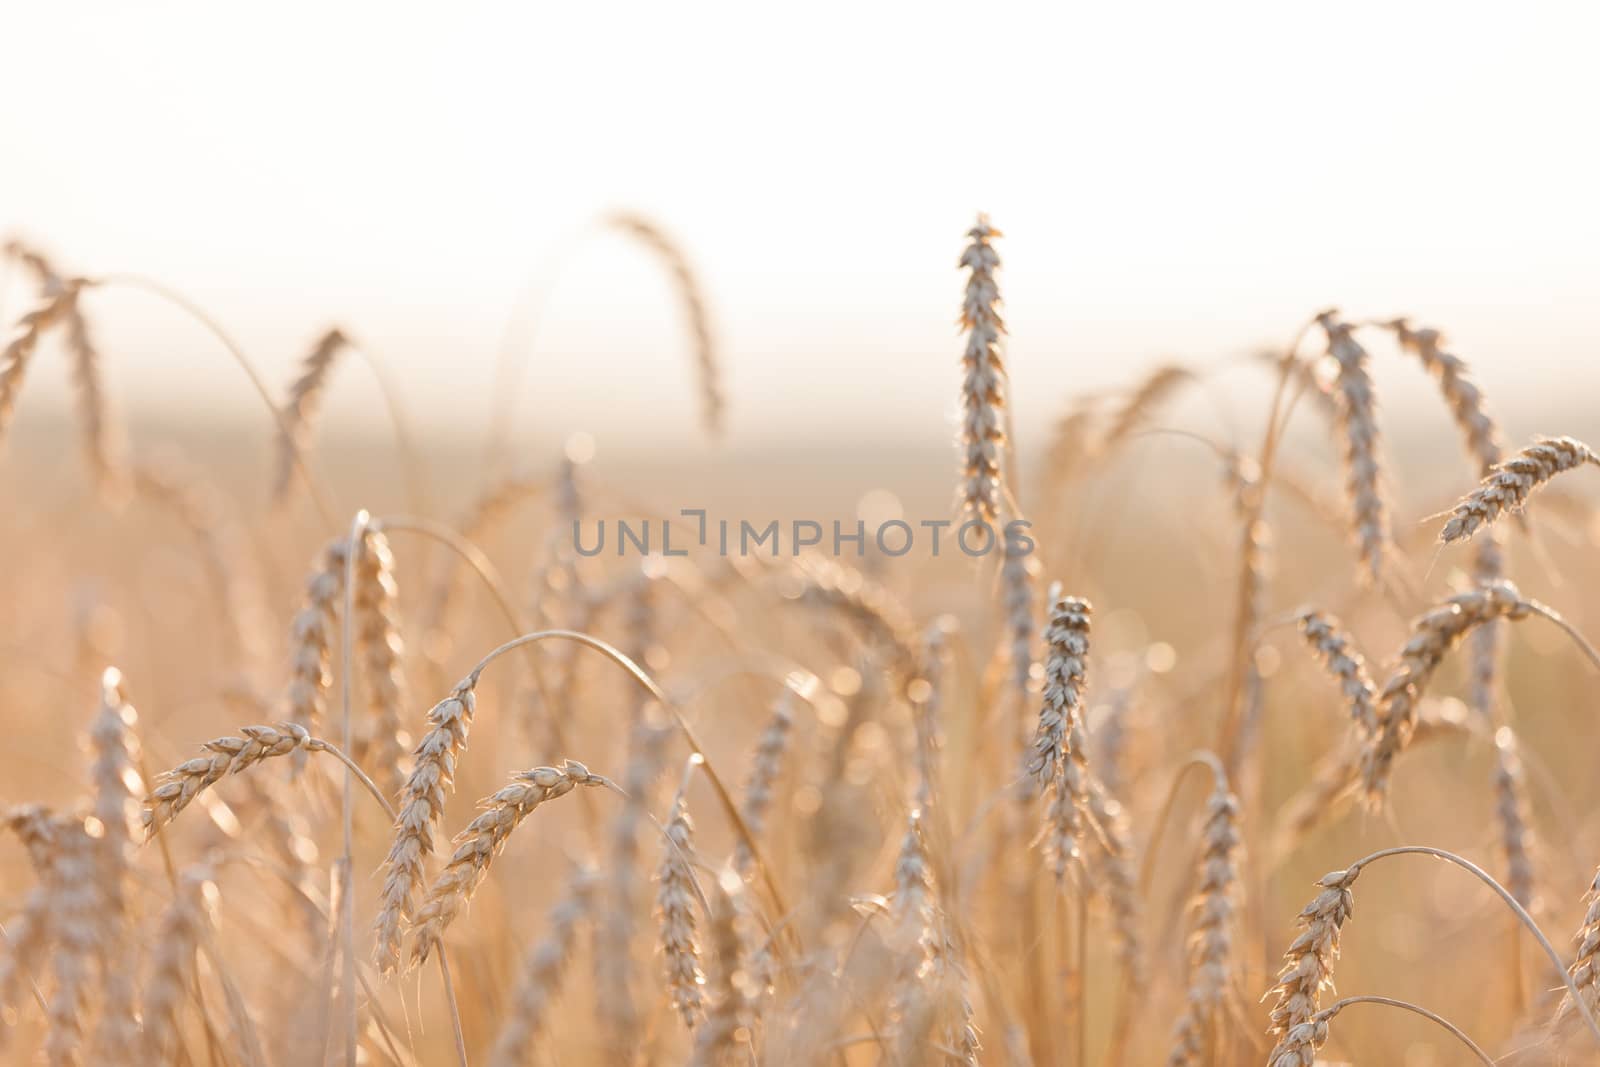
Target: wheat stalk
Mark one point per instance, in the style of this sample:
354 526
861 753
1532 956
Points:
1018 571
983 382
483 838
1510 483
1359 429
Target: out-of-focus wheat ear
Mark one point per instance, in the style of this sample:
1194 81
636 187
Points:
104 440
1479 430
1116 876
542 973
691 295
311 637
1308 969
19 351
1059 760
983 380
722 1040
380 649
1213 909
75 928
1018 573
300 407
765 767
1433 635
28 937
1336 650
1511 482
869 607
172 959
1140 404
675 904
117 787
478 844
1516 822
1363 463
421 806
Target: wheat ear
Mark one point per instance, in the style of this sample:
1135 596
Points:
380 648
542 973
29 936
1308 970
484 837
1059 759
311 638
117 788
421 804
1358 426
1335 649
172 961
983 381
16 356
675 904
75 927
301 405
1478 428
1516 822
718 1040
1212 919
691 296
765 766
1510 483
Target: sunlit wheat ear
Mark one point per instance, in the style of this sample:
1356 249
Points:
722 1039
300 407
1059 760
691 294
18 353
675 904
1585 969
421 806
983 380
28 936
1114 873
311 640
1212 922
117 788
1509 485
1363 464
482 840
176 789
172 961
1433 635
543 970
1335 649
869 607
1478 428
75 927
1516 824
380 648
765 767
1308 970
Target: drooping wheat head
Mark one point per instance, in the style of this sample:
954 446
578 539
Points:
1335 649
301 404
1510 483
1358 425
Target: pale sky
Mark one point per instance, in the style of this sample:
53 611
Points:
1174 180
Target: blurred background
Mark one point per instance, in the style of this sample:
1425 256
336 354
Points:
1175 182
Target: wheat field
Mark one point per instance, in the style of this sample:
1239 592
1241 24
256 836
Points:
1191 744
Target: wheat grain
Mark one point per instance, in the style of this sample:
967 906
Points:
1359 429
983 382
483 838
1335 650
1308 969
1510 483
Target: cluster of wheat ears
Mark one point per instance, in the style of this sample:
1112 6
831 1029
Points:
920 843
